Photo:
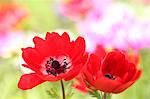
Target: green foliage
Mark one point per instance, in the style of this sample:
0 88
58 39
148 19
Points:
69 90
52 92
95 94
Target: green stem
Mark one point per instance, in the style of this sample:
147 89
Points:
63 89
105 96
101 94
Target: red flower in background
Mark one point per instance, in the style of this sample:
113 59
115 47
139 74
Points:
80 84
52 59
112 74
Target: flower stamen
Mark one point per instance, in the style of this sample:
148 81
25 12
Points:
109 76
54 66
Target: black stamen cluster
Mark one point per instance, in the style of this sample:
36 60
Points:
54 67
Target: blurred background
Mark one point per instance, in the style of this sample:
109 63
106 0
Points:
121 24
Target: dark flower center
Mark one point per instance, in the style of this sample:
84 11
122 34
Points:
109 76
55 67
55 64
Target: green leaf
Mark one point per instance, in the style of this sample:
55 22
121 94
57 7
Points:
109 96
69 92
52 92
95 94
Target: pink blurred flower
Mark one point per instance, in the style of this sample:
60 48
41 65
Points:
10 38
117 27
106 22
79 9
10 42
10 15
146 1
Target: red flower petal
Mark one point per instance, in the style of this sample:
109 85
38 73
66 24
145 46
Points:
32 57
94 64
82 60
80 88
100 52
53 42
131 71
63 42
134 57
80 84
128 84
76 68
114 63
137 75
43 47
38 41
52 36
32 68
50 45
28 81
104 84
51 78
122 87
73 72
78 49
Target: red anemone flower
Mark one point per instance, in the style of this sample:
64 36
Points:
52 59
80 84
112 74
